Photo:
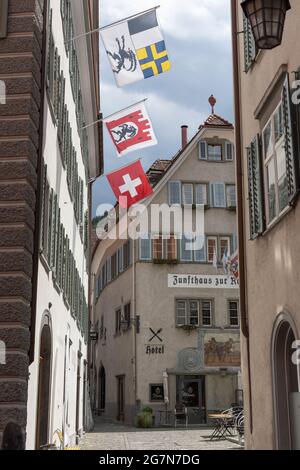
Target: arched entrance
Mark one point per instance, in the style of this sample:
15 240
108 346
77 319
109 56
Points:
101 390
286 383
44 385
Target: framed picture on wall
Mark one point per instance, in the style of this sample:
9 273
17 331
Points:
156 392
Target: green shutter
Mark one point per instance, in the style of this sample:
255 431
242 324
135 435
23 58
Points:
86 230
255 179
50 49
43 207
54 234
291 174
249 44
50 226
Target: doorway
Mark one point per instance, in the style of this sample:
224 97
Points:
190 391
285 384
101 390
121 398
44 386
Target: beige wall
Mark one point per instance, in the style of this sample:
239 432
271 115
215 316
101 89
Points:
273 259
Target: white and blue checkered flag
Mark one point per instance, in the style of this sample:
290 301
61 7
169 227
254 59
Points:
136 48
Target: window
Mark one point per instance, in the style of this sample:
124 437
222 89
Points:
206 312
174 188
104 281
186 254
218 198
158 248
211 249
114 266
224 246
188 194
171 248
127 314
202 150
145 249
118 321
126 255
233 310
120 260
187 313
108 269
275 165
201 194
231 196
214 152
228 151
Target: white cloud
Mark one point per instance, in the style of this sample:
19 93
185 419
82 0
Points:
193 19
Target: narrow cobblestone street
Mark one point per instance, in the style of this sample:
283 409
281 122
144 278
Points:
108 436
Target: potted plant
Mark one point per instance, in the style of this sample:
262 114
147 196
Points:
145 418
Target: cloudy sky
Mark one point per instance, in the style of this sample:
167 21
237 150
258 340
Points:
197 34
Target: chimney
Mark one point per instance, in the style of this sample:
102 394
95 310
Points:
184 136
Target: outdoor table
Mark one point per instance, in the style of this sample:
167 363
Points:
221 426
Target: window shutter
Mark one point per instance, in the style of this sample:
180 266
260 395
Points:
202 150
187 194
201 194
185 253
256 207
55 234
228 151
145 249
44 208
219 195
120 259
289 141
249 44
181 312
174 192
50 227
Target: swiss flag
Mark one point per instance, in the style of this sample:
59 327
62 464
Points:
130 184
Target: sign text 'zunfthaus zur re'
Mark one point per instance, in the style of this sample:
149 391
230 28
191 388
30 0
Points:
202 281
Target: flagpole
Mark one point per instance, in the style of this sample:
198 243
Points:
111 24
103 119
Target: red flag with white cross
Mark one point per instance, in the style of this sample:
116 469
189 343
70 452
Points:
130 184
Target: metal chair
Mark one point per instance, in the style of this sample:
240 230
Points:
180 413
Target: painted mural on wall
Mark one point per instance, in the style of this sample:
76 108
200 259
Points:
222 350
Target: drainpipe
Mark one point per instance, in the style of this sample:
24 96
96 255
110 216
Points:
39 188
134 323
240 200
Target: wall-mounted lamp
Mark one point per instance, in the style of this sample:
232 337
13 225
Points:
267 18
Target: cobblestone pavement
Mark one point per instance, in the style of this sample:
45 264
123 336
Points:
108 436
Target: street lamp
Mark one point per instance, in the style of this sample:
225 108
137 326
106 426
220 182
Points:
267 19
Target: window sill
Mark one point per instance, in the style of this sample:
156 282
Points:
44 262
277 220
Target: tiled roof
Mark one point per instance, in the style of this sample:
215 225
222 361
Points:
216 121
157 170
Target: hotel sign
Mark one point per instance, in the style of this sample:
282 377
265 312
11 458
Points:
202 281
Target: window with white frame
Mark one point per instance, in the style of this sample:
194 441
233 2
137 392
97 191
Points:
206 312
218 197
187 313
212 250
174 190
145 248
275 165
233 313
224 247
114 266
231 196
201 194
214 152
228 151
120 260
187 194
165 248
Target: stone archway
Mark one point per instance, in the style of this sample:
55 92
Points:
44 384
285 381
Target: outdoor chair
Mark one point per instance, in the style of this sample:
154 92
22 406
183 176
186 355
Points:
181 415
239 425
